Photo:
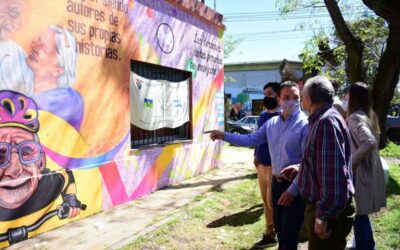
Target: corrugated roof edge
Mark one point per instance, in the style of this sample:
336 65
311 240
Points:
200 10
260 65
261 62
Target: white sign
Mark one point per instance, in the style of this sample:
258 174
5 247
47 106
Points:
158 103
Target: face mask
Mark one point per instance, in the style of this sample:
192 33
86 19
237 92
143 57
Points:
345 105
290 106
270 103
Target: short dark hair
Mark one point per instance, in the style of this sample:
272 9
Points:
287 84
320 89
273 85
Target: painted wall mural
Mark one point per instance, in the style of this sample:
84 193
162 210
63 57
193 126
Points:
65 106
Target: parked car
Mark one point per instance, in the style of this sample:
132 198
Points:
393 124
246 125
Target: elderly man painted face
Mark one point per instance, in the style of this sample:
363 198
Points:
43 60
21 163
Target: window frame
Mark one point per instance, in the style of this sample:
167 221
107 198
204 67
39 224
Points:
153 138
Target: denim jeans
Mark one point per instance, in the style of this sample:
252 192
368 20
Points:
287 220
363 233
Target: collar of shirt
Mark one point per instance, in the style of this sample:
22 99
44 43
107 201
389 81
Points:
290 117
317 114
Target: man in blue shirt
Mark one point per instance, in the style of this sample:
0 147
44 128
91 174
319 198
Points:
286 135
262 161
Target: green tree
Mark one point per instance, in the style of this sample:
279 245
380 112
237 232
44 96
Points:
386 75
325 53
230 44
396 97
242 98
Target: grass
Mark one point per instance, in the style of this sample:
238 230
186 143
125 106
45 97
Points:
392 150
387 223
231 217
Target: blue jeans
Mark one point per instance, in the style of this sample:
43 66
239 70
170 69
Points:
287 220
363 233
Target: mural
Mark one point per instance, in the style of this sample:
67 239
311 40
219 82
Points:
65 106
27 186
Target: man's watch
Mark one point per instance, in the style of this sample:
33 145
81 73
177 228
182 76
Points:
319 221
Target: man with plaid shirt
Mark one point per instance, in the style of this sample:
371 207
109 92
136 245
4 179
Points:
325 176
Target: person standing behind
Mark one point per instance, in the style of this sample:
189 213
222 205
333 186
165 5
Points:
234 114
262 161
370 190
241 112
285 135
325 176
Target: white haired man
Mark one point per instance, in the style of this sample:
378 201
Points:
14 72
325 176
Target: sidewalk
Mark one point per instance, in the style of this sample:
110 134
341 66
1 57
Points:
116 227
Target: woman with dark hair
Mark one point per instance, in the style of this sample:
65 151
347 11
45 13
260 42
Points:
370 192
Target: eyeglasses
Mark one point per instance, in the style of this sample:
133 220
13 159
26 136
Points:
28 152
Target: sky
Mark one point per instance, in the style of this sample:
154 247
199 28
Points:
265 34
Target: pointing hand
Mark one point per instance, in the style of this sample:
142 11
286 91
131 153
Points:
215 134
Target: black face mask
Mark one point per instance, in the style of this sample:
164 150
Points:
270 103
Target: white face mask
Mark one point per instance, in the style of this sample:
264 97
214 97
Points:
290 106
345 105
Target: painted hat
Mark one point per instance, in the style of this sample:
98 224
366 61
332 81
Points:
18 110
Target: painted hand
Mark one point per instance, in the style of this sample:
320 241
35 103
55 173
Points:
74 205
73 211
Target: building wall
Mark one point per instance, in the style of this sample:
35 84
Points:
249 79
85 127
241 77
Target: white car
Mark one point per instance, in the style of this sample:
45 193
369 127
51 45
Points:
246 125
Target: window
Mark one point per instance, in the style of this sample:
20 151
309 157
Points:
252 120
247 121
158 126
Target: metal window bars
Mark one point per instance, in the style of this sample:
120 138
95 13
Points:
141 137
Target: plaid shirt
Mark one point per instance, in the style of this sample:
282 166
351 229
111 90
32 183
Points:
325 176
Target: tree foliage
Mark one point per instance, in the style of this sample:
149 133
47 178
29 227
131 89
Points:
242 97
325 53
230 44
371 46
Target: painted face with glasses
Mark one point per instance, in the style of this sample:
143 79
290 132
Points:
21 164
28 152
